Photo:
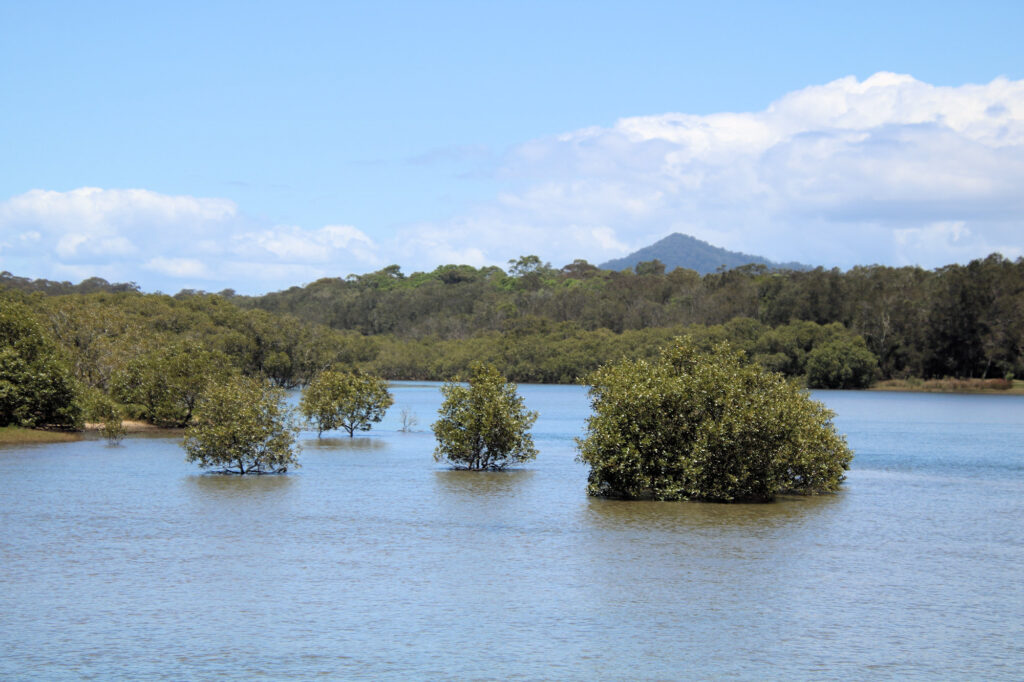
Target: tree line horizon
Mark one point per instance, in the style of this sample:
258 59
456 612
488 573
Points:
542 324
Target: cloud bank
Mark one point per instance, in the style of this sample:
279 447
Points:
885 170
168 242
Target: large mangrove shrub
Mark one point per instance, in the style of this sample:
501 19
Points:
698 425
483 424
345 400
242 426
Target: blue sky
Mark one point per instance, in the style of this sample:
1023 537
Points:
261 145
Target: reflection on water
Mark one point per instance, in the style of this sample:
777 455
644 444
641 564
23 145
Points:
354 444
484 484
223 486
371 561
610 514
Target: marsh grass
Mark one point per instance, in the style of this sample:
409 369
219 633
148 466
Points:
16 435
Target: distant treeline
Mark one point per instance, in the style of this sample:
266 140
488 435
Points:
538 323
958 320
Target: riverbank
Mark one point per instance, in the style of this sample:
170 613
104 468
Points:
130 426
16 435
975 386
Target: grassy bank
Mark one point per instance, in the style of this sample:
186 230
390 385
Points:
984 386
16 435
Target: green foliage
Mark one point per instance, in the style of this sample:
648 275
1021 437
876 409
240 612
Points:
113 430
483 424
348 400
960 320
168 381
105 411
242 426
706 426
651 267
99 407
841 363
553 325
36 385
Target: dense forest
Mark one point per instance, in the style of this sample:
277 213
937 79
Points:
959 320
113 343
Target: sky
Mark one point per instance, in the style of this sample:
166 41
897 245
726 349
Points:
261 145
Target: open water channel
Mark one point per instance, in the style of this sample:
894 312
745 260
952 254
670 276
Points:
372 561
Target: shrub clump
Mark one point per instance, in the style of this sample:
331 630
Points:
243 426
842 363
484 423
345 400
697 425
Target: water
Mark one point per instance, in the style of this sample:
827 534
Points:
372 561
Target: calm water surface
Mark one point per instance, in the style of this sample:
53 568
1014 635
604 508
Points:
372 561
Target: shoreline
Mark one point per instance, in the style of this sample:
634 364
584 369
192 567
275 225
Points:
130 426
19 435
948 386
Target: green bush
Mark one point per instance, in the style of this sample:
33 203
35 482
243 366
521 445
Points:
345 400
844 362
99 407
706 426
483 424
242 426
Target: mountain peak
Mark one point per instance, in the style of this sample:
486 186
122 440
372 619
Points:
683 251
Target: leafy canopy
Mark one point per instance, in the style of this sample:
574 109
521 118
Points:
166 382
841 363
707 426
242 426
483 424
36 385
346 400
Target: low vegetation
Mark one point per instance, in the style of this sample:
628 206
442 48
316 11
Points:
483 424
18 435
153 355
697 425
949 385
242 426
345 400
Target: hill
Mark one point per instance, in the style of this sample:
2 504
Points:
683 251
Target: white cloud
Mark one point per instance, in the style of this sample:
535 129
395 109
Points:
178 267
168 242
832 174
99 211
293 244
884 170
